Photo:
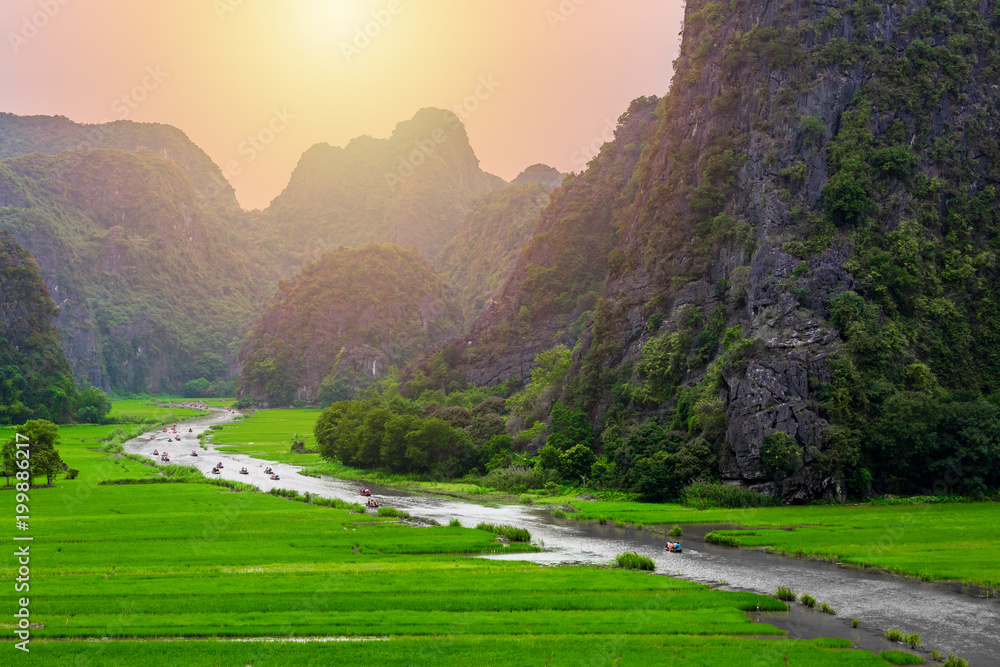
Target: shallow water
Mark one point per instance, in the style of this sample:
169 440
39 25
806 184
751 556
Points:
947 618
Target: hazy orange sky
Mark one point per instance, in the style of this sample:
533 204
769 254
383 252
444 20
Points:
551 76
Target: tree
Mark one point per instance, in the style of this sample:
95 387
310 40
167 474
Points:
780 455
568 428
576 462
43 437
8 459
92 405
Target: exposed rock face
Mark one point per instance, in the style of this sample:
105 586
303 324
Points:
725 213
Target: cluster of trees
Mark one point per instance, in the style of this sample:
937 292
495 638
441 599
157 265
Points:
42 456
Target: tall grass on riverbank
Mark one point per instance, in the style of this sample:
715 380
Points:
707 495
630 560
511 533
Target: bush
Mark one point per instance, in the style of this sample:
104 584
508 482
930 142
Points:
894 635
455 523
785 593
705 495
954 661
72 473
827 609
517 479
510 532
901 658
913 639
722 538
392 511
676 531
630 560
808 601
855 622
779 453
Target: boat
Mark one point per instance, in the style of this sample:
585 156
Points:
194 453
674 547
244 472
275 476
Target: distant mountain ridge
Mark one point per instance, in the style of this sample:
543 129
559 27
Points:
411 189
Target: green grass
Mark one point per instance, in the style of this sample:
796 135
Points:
511 533
901 658
630 560
785 593
200 561
136 410
271 433
942 541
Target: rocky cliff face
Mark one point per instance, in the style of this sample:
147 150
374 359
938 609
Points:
790 217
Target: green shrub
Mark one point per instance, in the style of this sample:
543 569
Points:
779 453
722 538
785 593
827 609
512 533
705 495
392 511
901 658
855 622
676 531
630 560
72 473
913 639
455 523
808 600
894 635
954 661
559 514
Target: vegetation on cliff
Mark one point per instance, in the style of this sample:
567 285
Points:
344 320
35 380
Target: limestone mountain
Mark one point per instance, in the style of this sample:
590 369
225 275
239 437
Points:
801 270
35 380
412 189
22 135
151 292
343 321
483 253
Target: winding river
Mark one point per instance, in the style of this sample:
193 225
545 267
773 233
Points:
947 617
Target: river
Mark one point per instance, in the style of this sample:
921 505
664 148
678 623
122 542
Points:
947 617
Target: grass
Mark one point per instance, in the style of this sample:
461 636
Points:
271 433
785 593
808 600
202 562
676 531
965 546
509 532
901 658
393 512
894 635
630 560
827 609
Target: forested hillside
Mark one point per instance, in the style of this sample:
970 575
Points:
412 189
483 253
35 380
343 321
151 292
21 135
801 269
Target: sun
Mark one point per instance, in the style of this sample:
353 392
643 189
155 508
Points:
331 19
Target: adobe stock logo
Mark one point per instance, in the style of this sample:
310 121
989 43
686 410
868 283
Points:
31 25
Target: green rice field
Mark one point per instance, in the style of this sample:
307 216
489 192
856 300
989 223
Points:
953 541
167 561
271 432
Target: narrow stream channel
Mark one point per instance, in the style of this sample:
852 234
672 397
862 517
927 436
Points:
947 618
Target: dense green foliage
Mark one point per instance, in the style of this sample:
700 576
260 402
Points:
35 380
149 278
345 319
481 256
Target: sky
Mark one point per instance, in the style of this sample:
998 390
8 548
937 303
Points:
533 80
